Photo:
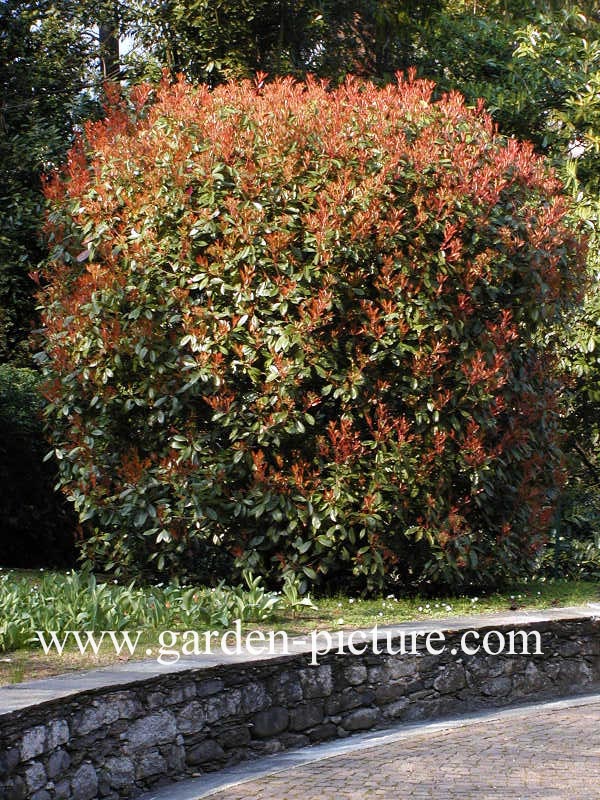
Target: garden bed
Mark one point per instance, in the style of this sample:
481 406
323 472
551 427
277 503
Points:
60 601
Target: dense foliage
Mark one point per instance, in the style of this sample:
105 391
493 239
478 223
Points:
302 327
38 525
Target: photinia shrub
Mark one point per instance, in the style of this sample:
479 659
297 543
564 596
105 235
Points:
299 330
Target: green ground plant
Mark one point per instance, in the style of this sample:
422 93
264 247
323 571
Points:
79 601
41 601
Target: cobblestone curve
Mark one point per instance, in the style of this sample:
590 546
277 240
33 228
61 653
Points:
539 755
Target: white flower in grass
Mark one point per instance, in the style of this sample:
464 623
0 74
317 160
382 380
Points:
576 148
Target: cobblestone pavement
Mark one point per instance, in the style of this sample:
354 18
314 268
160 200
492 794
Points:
541 754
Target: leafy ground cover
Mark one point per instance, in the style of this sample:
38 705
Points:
31 601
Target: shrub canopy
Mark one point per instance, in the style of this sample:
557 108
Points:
301 329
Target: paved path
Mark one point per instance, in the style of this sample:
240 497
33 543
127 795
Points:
541 754
548 751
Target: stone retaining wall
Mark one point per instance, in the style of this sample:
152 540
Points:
117 741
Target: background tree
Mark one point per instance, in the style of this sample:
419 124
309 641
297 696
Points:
54 57
331 38
49 83
42 73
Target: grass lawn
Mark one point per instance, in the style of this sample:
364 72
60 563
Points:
156 609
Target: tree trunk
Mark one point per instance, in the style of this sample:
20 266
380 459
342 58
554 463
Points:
109 46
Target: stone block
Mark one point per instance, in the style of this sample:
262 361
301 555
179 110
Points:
234 736
149 731
9 759
254 697
58 733
33 743
575 673
119 773
62 790
84 784
58 763
42 794
207 751
209 687
222 706
389 692
361 719
316 681
175 758
496 687
99 715
306 716
35 777
285 687
323 732
451 679
355 674
344 701
270 722
192 718
16 789
150 765
397 708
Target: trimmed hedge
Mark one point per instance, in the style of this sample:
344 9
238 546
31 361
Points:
301 329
